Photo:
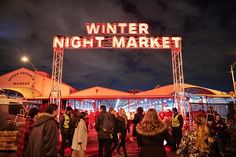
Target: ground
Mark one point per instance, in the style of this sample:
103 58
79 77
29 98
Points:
92 147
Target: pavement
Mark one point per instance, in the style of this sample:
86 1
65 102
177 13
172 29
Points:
92 147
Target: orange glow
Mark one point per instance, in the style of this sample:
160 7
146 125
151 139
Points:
25 59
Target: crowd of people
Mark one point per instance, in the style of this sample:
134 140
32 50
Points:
151 130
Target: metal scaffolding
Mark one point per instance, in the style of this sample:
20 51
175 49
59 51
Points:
57 66
177 67
178 79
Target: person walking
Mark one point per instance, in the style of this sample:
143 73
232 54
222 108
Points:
115 140
73 121
65 128
79 141
23 137
123 121
91 119
137 118
196 142
219 131
44 139
105 125
153 132
177 125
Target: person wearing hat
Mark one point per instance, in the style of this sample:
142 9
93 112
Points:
23 137
177 125
64 125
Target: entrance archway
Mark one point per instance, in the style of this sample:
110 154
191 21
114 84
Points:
118 36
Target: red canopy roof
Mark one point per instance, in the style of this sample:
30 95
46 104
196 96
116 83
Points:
98 93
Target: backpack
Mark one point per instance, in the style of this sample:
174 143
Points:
108 124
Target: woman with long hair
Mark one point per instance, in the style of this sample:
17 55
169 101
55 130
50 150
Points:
153 132
123 121
196 142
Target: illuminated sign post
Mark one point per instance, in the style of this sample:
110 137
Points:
118 36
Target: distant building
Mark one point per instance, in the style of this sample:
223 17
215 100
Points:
22 81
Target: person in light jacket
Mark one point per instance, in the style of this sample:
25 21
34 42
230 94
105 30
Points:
79 141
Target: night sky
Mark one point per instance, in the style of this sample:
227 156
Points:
207 28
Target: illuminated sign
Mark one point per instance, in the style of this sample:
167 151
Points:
21 83
21 73
117 35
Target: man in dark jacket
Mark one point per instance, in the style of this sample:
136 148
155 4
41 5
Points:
137 119
105 139
43 139
219 131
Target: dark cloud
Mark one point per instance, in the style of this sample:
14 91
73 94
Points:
207 27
